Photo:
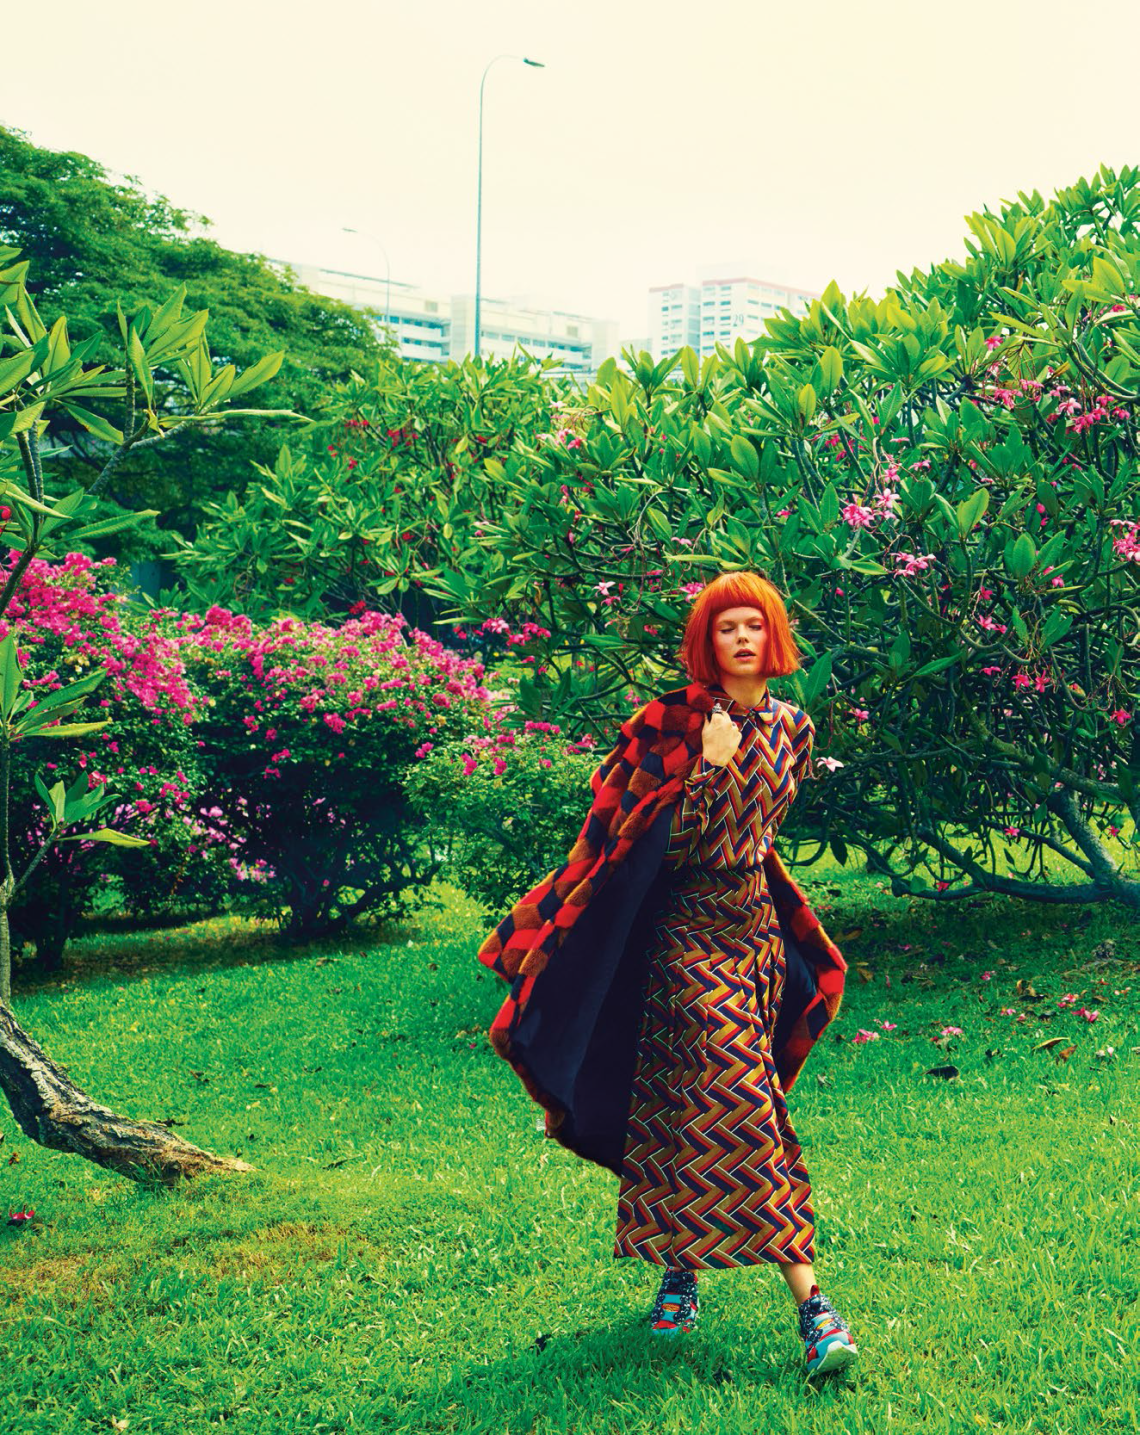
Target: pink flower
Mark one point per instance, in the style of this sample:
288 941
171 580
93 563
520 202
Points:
857 515
862 1036
911 563
951 1031
1088 1015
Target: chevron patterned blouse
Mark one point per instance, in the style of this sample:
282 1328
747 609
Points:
760 781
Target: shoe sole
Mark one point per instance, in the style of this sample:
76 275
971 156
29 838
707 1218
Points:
836 1357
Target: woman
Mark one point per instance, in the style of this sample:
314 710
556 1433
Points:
669 979
713 1174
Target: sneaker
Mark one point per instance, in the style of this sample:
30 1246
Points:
677 1304
827 1341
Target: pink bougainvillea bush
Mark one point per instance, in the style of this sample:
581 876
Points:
501 801
69 622
265 764
307 731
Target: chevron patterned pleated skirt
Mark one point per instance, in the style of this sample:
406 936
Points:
712 1175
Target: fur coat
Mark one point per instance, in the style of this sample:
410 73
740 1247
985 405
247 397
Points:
572 949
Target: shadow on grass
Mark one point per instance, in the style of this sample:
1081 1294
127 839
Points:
123 948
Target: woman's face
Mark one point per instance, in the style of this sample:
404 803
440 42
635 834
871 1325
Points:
740 642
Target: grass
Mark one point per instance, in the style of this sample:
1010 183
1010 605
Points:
411 1255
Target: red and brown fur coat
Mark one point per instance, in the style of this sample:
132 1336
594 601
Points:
573 947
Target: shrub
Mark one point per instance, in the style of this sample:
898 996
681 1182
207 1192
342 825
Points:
307 731
70 623
503 802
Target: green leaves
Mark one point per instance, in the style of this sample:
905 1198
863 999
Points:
107 834
1020 556
74 729
68 806
11 676
259 373
745 459
806 402
970 511
830 370
1057 624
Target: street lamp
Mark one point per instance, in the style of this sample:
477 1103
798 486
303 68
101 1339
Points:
388 279
538 65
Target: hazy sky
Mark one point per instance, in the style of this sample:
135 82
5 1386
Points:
814 140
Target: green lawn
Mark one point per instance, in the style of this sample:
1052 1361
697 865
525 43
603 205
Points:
412 1255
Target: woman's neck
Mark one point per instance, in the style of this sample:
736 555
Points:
749 693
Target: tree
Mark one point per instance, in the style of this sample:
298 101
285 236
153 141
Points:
46 376
391 481
944 483
93 243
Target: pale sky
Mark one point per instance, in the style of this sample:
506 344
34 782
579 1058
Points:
814 140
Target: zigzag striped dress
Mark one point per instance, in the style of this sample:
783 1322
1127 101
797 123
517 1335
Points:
713 1175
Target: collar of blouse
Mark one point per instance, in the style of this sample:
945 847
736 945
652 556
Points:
765 711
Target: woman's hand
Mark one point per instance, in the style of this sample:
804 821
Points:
720 738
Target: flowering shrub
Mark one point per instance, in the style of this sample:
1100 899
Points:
69 622
503 801
254 760
306 732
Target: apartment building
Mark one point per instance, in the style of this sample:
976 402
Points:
433 326
728 302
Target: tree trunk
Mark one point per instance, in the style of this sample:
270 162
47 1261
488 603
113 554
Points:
52 1111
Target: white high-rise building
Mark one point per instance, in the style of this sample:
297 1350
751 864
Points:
727 303
430 325
674 318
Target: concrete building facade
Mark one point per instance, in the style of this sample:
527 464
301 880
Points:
727 303
434 327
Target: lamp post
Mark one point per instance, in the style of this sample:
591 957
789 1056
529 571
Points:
388 274
538 65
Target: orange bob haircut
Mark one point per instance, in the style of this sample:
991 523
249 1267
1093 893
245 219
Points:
738 590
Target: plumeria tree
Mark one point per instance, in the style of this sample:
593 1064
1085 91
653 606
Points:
42 373
392 481
944 482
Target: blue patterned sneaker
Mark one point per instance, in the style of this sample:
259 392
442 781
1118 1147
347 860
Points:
677 1304
827 1340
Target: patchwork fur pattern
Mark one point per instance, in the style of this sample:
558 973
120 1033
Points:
658 746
